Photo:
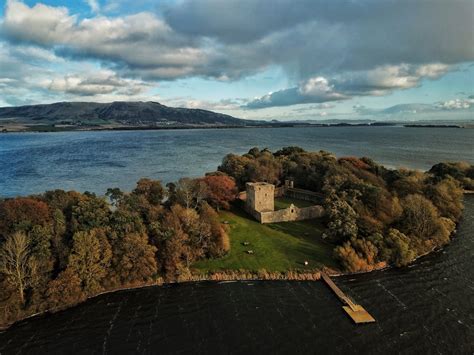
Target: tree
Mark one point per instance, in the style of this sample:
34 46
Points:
202 234
286 151
219 243
60 199
66 289
21 214
197 236
172 195
173 246
134 258
17 263
420 216
356 255
152 190
115 196
342 219
185 192
39 240
190 192
399 244
455 170
408 183
90 212
221 190
264 168
125 221
254 152
90 258
60 247
447 196
236 166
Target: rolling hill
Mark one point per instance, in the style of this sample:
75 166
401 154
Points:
121 113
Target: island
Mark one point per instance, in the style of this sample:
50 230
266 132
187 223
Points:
283 215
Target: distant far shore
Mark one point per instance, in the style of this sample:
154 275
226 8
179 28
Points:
19 128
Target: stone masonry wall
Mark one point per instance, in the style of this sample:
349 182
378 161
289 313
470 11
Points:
305 195
280 191
289 214
260 196
259 202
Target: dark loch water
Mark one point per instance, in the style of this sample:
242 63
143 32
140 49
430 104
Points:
35 162
427 308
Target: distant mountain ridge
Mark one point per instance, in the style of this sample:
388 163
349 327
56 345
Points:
127 113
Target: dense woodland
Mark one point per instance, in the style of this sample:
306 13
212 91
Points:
374 216
58 248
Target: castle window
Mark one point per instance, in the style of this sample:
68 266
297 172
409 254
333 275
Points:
292 210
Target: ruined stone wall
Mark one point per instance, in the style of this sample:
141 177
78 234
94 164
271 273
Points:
259 202
289 214
304 195
255 214
280 191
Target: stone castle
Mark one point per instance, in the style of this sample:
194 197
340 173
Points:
260 203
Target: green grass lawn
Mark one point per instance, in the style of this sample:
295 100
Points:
276 247
285 202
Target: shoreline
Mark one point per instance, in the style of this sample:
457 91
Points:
215 277
235 276
227 276
48 129
52 129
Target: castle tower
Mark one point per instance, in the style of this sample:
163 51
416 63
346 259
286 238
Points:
260 196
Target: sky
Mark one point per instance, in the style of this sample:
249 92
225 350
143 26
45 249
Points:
256 59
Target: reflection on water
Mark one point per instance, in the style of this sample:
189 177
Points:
425 308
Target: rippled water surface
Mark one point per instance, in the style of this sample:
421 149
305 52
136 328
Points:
35 162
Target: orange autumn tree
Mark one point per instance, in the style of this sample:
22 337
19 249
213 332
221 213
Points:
22 214
221 190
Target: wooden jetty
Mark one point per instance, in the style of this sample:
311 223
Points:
357 313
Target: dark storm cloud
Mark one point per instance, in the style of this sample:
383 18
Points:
234 38
369 47
320 35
